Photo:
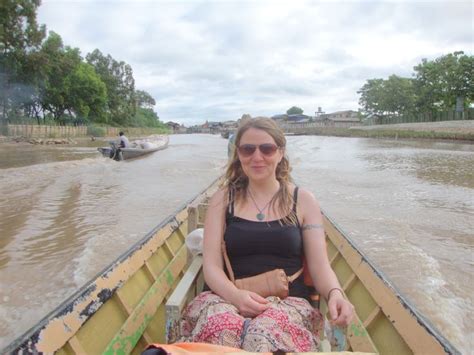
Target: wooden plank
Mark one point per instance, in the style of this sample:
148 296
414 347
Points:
124 304
372 316
333 258
193 218
202 209
342 269
133 328
187 281
167 244
157 325
150 271
159 261
182 216
350 281
129 311
96 333
175 242
76 346
418 338
196 208
179 298
135 288
359 338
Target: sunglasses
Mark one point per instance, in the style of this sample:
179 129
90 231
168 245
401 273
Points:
267 149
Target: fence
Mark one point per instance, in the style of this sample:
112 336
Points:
37 131
302 127
45 131
467 114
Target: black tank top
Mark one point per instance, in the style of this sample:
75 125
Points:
254 247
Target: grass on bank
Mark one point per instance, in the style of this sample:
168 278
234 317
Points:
387 133
96 131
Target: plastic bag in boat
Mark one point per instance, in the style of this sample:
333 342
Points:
148 145
194 241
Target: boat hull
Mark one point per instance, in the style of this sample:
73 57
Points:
123 308
131 153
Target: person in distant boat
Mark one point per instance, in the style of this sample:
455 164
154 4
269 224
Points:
267 223
124 143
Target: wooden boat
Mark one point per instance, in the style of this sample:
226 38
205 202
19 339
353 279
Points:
138 299
115 153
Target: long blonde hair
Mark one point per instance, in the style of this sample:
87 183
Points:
237 182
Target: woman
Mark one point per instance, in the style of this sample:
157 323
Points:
266 223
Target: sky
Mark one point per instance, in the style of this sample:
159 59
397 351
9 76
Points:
218 60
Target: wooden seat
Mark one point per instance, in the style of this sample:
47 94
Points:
190 285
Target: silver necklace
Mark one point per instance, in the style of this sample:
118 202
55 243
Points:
260 215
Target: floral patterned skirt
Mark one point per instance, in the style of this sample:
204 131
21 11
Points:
290 325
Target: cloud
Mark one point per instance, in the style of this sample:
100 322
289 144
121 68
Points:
215 60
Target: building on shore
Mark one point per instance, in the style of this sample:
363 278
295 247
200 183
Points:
344 119
214 127
347 118
299 118
176 127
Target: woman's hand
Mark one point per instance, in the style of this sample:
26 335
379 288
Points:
341 310
249 303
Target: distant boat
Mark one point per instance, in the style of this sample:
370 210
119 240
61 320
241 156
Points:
136 149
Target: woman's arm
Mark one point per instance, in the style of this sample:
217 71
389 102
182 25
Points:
248 303
324 278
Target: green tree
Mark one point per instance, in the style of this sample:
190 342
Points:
146 117
87 94
294 111
144 99
392 97
371 97
399 95
446 82
20 35
120 84
59 63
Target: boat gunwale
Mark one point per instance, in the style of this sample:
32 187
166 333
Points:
408 305
65 307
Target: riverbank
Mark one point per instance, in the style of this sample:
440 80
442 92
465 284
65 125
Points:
80 141
452 130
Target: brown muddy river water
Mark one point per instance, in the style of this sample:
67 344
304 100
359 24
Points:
66 213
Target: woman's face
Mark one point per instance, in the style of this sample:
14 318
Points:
257 154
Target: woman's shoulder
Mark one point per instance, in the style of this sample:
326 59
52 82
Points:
218 200
306 197
221 194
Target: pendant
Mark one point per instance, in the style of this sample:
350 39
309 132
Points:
260 216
